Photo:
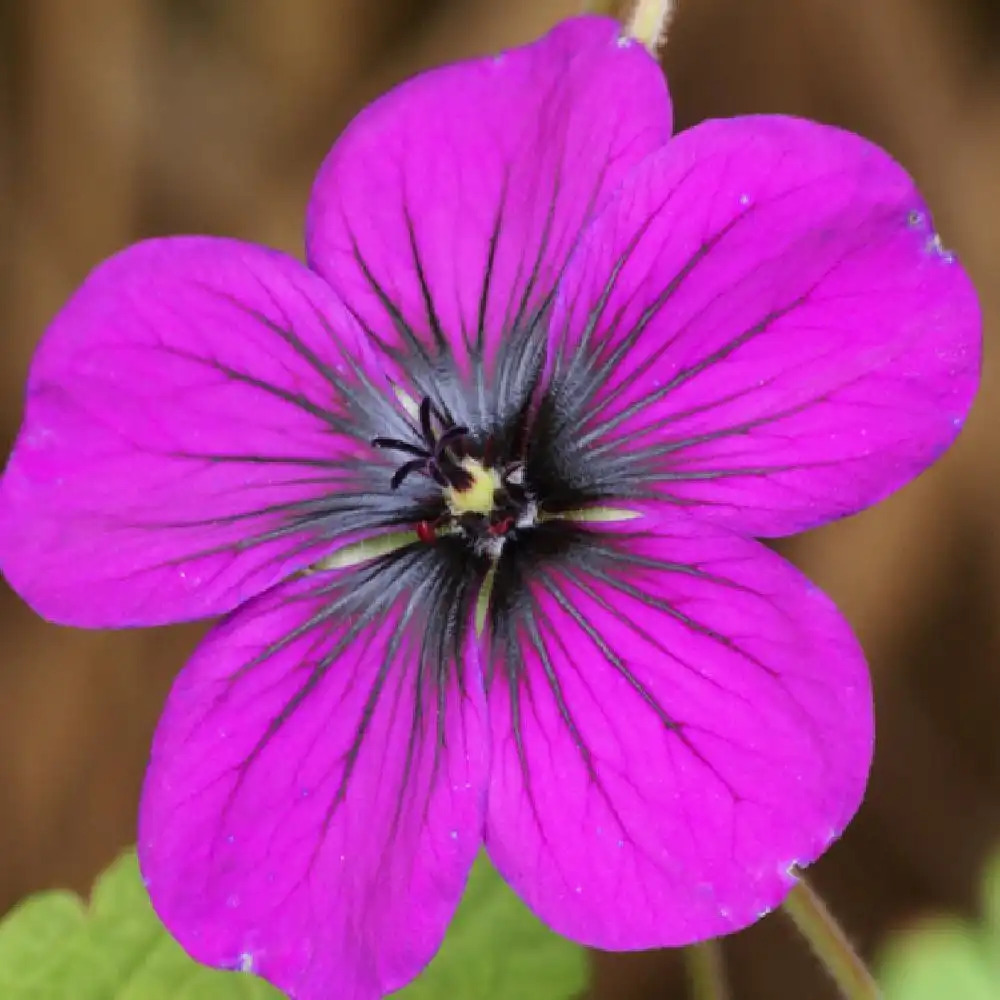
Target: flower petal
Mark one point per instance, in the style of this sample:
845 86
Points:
315 798
766 323
447 210
688 717
197 426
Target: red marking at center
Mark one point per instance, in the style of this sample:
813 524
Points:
501 527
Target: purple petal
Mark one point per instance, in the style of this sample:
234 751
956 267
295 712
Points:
315 798
447 210
190 413
689 717
764 326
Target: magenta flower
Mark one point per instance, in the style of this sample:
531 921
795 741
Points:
476 490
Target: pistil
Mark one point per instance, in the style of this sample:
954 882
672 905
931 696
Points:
483 497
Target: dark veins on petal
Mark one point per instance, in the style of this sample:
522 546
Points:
478 464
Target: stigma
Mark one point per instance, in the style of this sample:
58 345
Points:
483 496
491 508
476 493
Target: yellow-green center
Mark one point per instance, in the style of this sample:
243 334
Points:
478 496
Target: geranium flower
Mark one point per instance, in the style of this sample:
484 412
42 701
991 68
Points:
476 491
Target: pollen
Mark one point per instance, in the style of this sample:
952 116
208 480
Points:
477 496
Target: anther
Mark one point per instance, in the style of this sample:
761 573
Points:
500 528
439 456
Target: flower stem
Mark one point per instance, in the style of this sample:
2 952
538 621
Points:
706 971
829 943
649 22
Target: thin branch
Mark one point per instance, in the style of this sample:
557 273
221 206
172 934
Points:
829 943
706 968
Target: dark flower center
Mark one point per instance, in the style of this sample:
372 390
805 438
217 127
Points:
496 483
485 498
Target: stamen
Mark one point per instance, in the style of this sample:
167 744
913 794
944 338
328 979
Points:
404 470
439 416
500 528
434 458
425 421
483 494
450 436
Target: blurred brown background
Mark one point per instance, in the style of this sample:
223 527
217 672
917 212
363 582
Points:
125 118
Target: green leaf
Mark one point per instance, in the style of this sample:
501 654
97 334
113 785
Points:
991 901
52 947
942 959
496 950
948 957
